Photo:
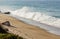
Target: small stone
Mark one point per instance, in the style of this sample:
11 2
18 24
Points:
7 23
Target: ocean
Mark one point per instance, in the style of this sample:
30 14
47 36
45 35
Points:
44 14
51 8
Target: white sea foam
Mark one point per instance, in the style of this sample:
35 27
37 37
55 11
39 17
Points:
26 12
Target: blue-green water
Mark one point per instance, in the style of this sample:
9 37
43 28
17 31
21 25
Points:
47 7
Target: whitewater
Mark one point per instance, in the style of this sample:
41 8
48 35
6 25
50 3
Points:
39 19
26 12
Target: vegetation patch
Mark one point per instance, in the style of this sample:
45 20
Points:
6 35
9 36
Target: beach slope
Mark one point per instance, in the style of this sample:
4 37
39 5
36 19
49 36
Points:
25 30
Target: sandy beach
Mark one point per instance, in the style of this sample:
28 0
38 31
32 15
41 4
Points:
25 30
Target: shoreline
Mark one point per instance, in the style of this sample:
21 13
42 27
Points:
48 28
26 30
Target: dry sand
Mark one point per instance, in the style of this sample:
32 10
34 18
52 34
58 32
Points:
25 30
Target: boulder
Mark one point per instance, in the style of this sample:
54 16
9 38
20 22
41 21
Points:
7 13
7 23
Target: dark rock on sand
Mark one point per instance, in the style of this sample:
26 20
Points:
7 23
7 13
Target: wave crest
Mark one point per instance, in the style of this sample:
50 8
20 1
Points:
26 12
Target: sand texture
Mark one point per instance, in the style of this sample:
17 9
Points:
25 30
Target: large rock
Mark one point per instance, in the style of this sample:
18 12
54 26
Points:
7 23
7 13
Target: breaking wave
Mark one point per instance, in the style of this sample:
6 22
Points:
26 12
